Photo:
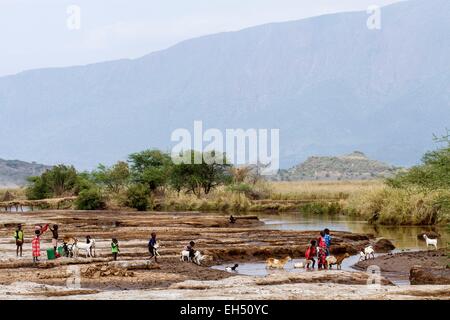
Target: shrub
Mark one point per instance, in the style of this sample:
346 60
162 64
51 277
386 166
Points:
90 199
321 208
401 206
137 197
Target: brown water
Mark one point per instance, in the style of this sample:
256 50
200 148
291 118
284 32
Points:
403 237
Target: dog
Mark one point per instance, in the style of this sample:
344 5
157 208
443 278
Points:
233 268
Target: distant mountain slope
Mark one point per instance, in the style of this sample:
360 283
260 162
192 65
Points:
328 83
352 166
14 172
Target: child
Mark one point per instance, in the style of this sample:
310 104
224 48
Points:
40 229
327 239
115 248
321 251
310 254
151 246
55 238
18 235
36 246
190 248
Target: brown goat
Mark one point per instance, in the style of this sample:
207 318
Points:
277 263
331 260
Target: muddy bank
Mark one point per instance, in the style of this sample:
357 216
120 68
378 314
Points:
434 275
401 263
214 235
404 261
278 287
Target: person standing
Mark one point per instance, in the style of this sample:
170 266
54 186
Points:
115 248
321 252
151 246
55 237
327 239
36 246
18 235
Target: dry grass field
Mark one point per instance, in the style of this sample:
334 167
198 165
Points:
317 190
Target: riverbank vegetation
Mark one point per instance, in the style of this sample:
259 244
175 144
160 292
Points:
149 180
420 195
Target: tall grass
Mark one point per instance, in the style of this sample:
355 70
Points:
321 190
393 206
18 193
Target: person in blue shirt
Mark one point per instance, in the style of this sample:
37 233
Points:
151 246
327 239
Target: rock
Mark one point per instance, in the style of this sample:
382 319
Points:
431 275
132 265
383 245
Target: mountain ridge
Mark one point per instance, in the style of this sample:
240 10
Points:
328 83
14 173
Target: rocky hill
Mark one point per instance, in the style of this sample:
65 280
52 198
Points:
354 166
14 173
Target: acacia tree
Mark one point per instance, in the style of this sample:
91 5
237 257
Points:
114 178
59 181
199 177
433 173
150 168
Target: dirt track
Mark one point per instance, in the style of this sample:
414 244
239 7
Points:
214 235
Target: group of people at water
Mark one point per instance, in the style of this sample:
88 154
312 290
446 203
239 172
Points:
39 230
318 248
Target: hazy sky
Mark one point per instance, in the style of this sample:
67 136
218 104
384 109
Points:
34 34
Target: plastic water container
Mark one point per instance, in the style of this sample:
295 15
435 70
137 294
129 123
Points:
50 254
61 251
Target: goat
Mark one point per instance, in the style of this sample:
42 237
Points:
155 250
198 257
366 253
430 242
68 243
277 263
87 247
332 260
185 256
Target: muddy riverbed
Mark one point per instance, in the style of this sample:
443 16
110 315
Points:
246 241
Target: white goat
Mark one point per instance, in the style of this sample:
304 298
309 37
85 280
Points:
366 253
87 247
198 257
430 242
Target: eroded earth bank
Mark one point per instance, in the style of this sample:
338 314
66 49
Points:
135 277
